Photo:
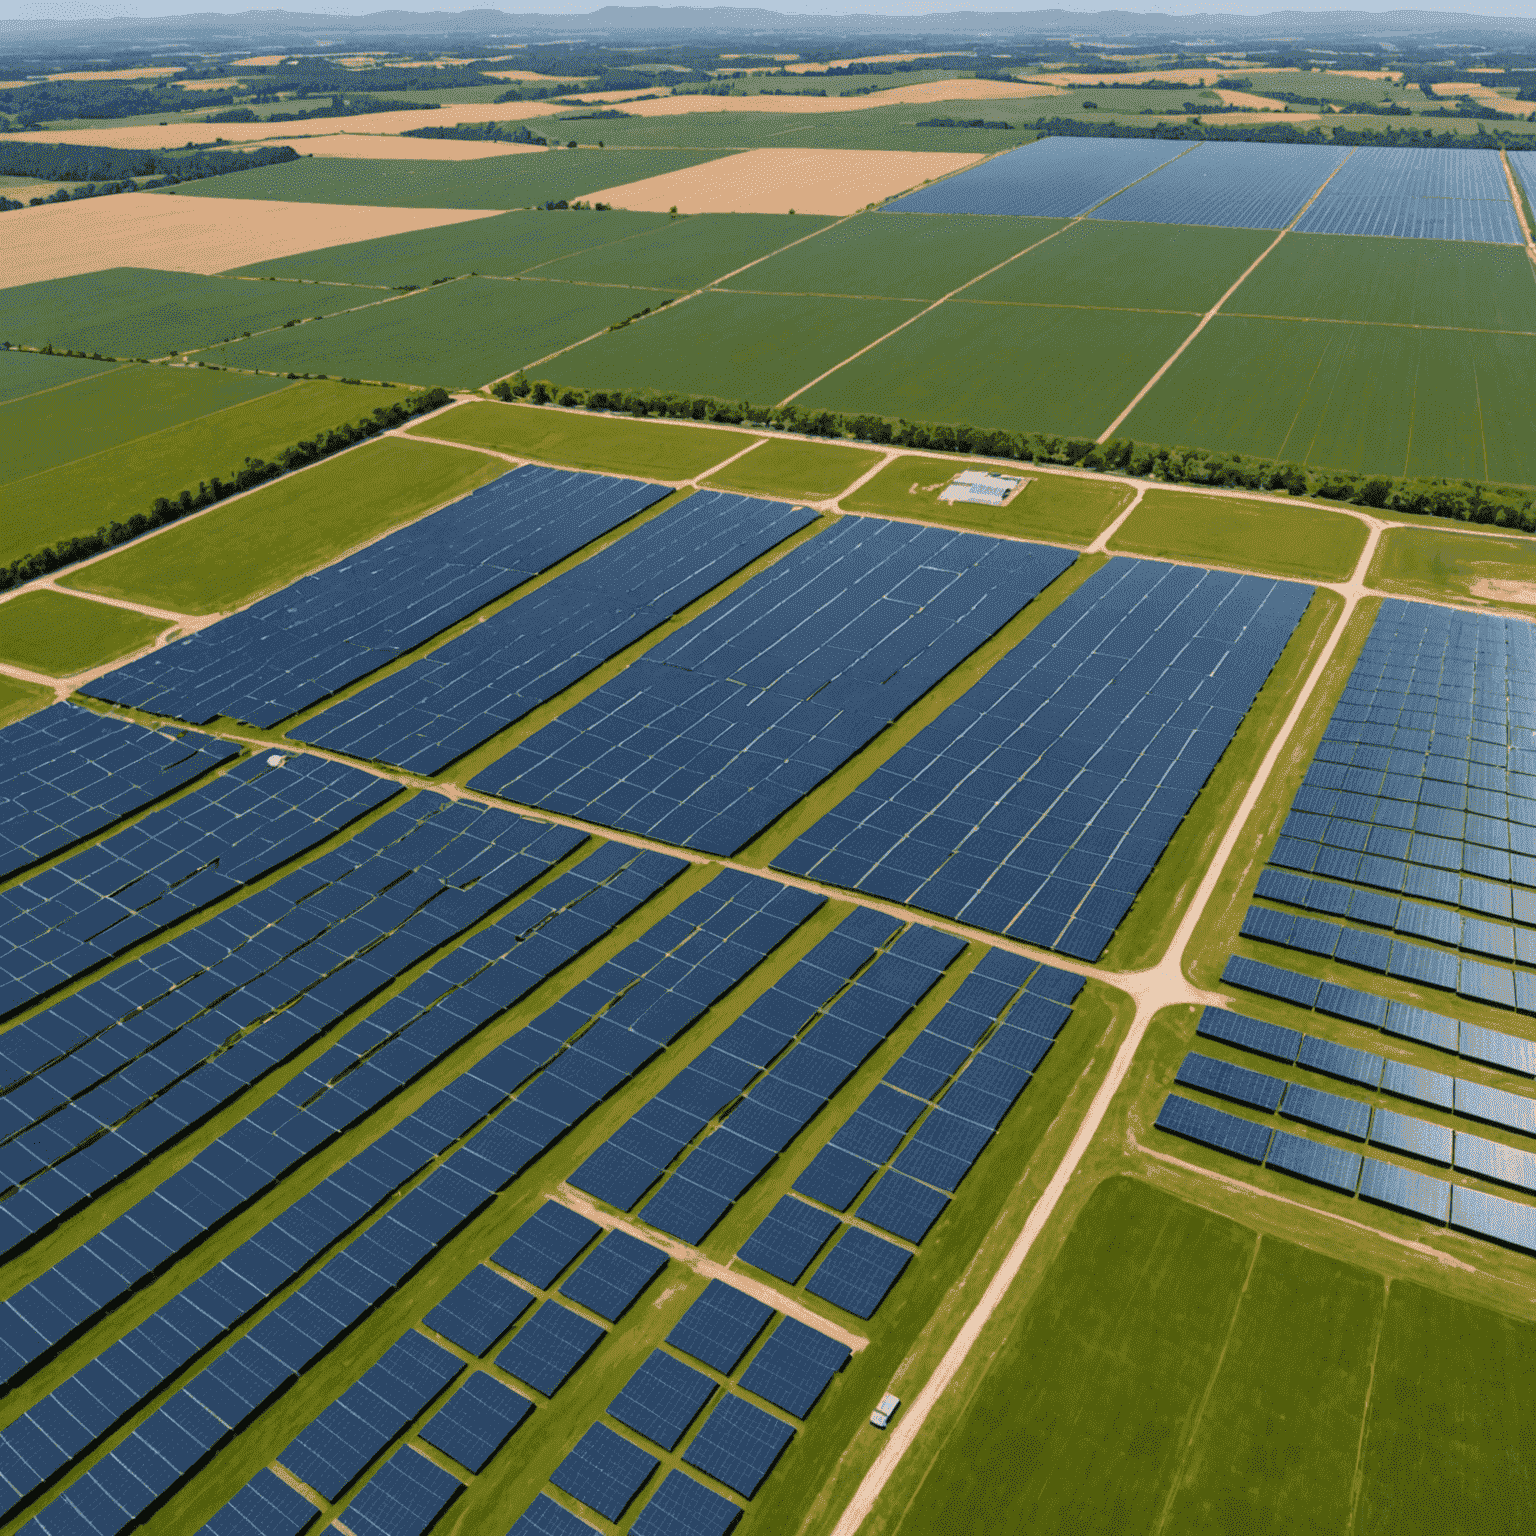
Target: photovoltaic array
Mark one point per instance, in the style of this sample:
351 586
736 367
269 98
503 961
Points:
727 723
327 630
1038 804
459 696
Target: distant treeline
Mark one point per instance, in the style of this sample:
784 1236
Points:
57 100
340 106
961 122
1467 501
254 472
118 168
502 132
320 77
1286 133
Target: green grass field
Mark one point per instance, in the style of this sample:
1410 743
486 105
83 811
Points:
1454 283
59 635
610 444
1441 566
18 698
504 181
134 312
731 344
896 256
1375 399
30 373
1060 508
1302 540
809 471
461 335
245 547
119 482
101 412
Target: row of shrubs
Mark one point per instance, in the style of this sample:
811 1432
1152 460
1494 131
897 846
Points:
252 473
1467 501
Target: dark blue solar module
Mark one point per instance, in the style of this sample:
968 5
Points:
1051 178
1341 1061
1415 1193
1418 1084
1419 193
720 1326
835 1177
458 697
610 1279
545 1243
1493 1160
1493 1217
1331 1111
403 1497
478 1310
549 1346
605 1471
662 1399
266 1506
902 1206
68 772
1496 1107
178 859
1406 1133
859 1272
544 1517
683 1507
1039 802
1311 1160
327 630
1251 1034
1230 186
786 1240
1214 1128
1256 1089
475 1422
726 724
738 1444
794 1367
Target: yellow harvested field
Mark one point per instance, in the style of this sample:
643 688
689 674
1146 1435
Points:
526 74
204 85
817 181
382 146
261 61
869 58
191 234
1143 77
929 93
1478 88
1248 99
148 72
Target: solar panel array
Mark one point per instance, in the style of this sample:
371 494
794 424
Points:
403 1497
266 1506
721 1326
1229 186
328 629
181 857
546 1243
478 1310
605 1471
1051 178
611 1278
67 772
738 1444
662 1399
794 1367
726 724
1427 194
684 1507
459 696
1038 804
476 1421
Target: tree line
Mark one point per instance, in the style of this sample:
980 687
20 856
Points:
1286 133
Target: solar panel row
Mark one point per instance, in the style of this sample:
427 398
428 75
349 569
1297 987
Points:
328 629
68 772
402 1498
726 724
546 1243
265 1506
459 696
182 857
1038 804
478 1310
611 1278
476 1421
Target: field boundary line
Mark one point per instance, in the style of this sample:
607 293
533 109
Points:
1357 1482
84 378
1515 191
1212 312
1100 545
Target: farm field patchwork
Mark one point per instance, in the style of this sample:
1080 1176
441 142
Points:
812 471
28 373
59 635
18 698
1438 565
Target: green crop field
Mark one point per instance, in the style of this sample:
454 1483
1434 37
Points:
1302 541
613 446
1060 508
731 344
31 373
1440 566
1454 283
242 548
1377 399
104 411
59 635
896 256
503 181
809 471
133 312
119 482
18 698
461 335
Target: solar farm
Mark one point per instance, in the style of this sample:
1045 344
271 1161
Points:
552 964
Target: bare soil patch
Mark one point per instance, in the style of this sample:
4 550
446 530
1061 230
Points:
1499 591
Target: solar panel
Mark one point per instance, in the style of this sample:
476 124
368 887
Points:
835 1177
859 1272
685 1209
794 1367
1415 1193
902 1206
265 1506
1404 1133
1493 1160
1214 1128
605 1471
610 1279
549 1347
786 1240
739 1444
1310 1160
1340 1061
1258 1090
683 1507
662 1399
1495 1106
476 1421
544 1244
720 1327
403 1497
478 1310
1250 1034
1330 1111
544 1517
1493 1217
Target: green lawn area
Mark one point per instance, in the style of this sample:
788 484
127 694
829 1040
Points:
58 427
59 635
1439 565
798 471
18 698
612 445
119 482
1060 508
1297 540
31 373
252 545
